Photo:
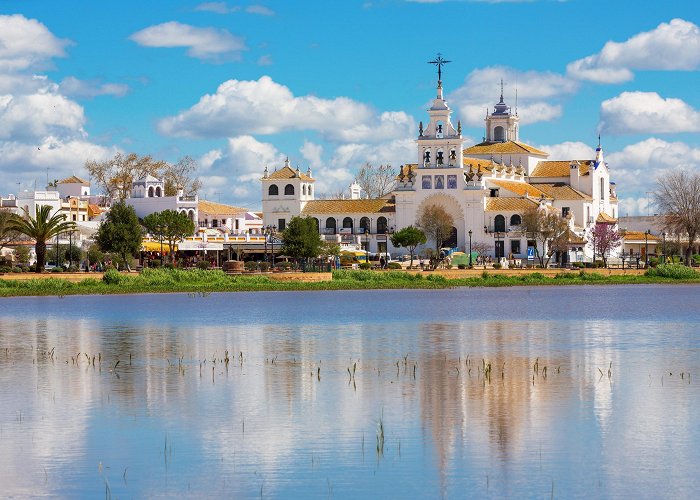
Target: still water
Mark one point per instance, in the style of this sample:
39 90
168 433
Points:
513 392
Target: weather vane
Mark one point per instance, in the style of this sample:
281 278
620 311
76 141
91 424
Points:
439 62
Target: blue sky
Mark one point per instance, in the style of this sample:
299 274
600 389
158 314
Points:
241 85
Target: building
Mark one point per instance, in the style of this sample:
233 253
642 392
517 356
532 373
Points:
486 188
148 196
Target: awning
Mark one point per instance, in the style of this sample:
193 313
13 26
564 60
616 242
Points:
154 246
199 245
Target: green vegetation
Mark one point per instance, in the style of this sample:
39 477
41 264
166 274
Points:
120 233
301 238
165 280
169 226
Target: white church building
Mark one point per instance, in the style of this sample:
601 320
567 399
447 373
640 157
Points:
486 188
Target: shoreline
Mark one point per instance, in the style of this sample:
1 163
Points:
195 281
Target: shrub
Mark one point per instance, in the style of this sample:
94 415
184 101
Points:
588 265
73 269
203 264
674 271
5 269
365 266
285 266
485 275
449 266
394 265
264 266
16 269
437 278
497 265
599 264
57 270
578 265
653 261
112 277
461 266
250 265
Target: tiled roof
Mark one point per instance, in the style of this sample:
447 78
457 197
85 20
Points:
605 218
94 210
519 188
574 239
508 147
287 173
74 180
639 236
209 207
475 163
560 168
347 206
561 191
509 204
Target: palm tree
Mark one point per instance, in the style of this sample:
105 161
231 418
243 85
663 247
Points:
41 229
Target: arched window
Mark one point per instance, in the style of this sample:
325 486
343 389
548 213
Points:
303 189
190 214
364 224
515 220
158 192
381 225
273 190
499 134
347 223
150 192
602 189
499 224
288 189
308 191
330 225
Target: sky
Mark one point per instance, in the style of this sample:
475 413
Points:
239 86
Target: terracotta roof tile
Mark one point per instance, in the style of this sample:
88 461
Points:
605 218
348 206
509 204
74 180
561 191
287 173
560 168
519 188
508 147
639 236
209 207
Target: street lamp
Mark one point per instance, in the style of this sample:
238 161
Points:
646 248
499 237
663 249
266 232
367 244
272 242
470 248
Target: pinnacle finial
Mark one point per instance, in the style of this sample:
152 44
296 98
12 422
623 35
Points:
439 62
501 91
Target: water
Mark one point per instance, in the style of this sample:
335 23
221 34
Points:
615 413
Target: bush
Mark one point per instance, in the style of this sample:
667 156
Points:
462 266
497 265
203 264
57 270
485 275
250 265
112 277
394 265
264 266
599 264
285 266
578 265
73 269
588 265
5 269
653 261
674 271
16 269
365 266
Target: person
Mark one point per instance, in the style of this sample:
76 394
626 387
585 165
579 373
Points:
382 263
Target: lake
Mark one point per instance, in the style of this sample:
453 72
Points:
565 392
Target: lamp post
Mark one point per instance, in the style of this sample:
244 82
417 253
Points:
266 232
386 246
663 249
499 237
70 249
159 228
646 248
272 242
367 245
470 248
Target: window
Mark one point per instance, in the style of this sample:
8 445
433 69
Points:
303 189
281 224
273 190
439 182
381 225
364 224
427 181
515 247
288 189
330 225
150 192
451 182
381 248
214 223
515 220
493 193
308 191
564 211
75 217
158 192
499 134
499 224
602 189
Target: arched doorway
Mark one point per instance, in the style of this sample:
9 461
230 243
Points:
451 241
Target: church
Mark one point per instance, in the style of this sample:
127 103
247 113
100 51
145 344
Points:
486 188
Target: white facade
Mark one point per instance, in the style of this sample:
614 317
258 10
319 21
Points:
148 196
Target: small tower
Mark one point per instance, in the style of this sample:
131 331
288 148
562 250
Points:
501 125
355 191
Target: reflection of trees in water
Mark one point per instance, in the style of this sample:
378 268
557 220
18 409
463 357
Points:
466 409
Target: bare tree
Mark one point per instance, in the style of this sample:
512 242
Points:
114 176
436 223
376 181
546 228
181 175
677 196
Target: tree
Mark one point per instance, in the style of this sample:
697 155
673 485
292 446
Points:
376 181
114 176
22 254
545 227
41 228
481 248
301 238
72 253
120 233
677 197
409 237
7 233
181 175
329 249
94 254
605 238
436 223
170 225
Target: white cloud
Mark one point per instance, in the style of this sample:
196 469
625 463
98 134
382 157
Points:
312 153
569 150
265 60
208 44
217 7
536 91
26 43
74 87
647 112
670 46
260 10
266 107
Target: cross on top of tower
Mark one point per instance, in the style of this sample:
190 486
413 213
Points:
439 62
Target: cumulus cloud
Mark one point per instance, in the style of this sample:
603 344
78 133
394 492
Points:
312 152
260 10
26 44
570 150
74 87
266 107
538 93
208 44
670 46
647 112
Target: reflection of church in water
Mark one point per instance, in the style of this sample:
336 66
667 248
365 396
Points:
486 188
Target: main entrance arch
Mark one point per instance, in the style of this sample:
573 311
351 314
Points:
454 209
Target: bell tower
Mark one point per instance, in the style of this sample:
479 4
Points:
439 143
502 124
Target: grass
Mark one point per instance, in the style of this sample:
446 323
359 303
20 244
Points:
206 281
